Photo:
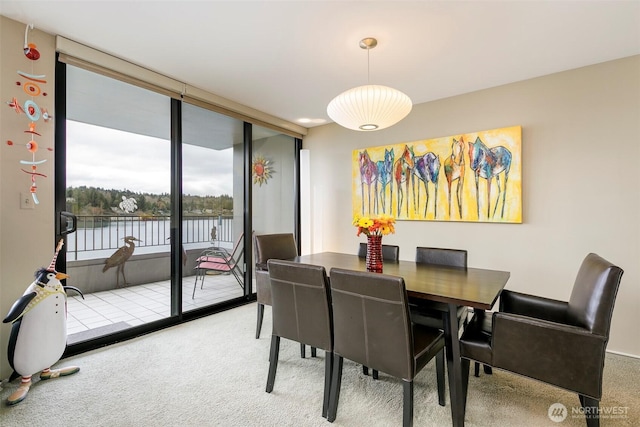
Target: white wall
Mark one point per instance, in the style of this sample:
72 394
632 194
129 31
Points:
581 192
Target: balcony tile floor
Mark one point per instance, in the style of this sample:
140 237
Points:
135 305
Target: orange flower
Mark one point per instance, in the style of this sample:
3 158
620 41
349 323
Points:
380 226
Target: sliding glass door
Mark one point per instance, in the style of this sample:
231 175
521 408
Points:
212 208
139 169
117 184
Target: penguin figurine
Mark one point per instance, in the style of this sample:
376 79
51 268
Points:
39 331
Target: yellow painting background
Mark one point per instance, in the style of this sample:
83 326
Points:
474 208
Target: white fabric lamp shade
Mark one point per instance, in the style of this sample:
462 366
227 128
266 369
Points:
369 107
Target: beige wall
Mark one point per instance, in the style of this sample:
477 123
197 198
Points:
581 192
26 235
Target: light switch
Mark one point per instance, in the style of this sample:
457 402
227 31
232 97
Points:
26 202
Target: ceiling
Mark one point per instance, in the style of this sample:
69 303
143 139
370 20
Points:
290 58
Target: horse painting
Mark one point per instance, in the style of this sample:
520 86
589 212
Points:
454 171
402 171
427 169
385 170
489 163
368 176
407 180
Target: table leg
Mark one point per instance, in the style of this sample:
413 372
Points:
454 366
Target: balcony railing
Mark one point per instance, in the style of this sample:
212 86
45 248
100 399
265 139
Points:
98 236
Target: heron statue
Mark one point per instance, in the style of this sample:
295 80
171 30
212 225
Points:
120 257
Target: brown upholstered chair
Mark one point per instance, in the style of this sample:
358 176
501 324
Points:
301 308
431 313
372 326
269 246
556 342
389 252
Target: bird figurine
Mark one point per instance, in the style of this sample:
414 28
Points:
120 257
39 332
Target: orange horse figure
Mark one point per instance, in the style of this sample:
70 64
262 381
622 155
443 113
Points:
368 176
454 171
402 171
489 163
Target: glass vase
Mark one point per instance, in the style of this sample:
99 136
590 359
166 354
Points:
374 254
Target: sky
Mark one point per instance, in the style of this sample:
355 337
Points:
112 159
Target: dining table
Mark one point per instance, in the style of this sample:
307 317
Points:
454 287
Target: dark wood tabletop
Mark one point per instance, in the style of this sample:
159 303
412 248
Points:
472 287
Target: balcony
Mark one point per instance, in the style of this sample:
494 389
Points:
107 307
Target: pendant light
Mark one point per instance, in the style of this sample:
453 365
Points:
369 107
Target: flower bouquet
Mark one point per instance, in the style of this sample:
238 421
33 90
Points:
374 229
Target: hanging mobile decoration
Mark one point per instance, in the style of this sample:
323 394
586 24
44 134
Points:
32 111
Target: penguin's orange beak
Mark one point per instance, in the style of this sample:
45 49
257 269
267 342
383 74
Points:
61 276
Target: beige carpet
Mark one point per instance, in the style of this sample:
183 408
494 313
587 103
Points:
212 372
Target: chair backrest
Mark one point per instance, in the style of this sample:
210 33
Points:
389 252
274 246
371 321
442 256
238 246
594 294
301 303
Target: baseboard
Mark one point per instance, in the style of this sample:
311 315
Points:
619 353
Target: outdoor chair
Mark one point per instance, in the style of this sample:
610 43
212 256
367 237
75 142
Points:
220 261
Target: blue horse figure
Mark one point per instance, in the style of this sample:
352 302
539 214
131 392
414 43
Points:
489 163
385 173
427 169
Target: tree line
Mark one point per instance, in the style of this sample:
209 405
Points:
84 200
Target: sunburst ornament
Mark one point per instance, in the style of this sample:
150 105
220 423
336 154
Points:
262 170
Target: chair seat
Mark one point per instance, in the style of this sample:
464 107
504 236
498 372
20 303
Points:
427 342
215 266
430 315
477 340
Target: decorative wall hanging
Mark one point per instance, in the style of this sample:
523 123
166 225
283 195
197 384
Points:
261 170
30 84
475 177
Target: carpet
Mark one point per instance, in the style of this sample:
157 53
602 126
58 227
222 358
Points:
213 372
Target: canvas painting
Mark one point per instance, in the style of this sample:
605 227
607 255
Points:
473 177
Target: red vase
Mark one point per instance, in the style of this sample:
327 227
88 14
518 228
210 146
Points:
374 254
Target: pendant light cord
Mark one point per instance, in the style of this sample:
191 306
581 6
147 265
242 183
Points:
368 67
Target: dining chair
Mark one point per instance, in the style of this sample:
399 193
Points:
372 326
271 246
218 260
556 342
301 311
266 247
389 252
432 313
